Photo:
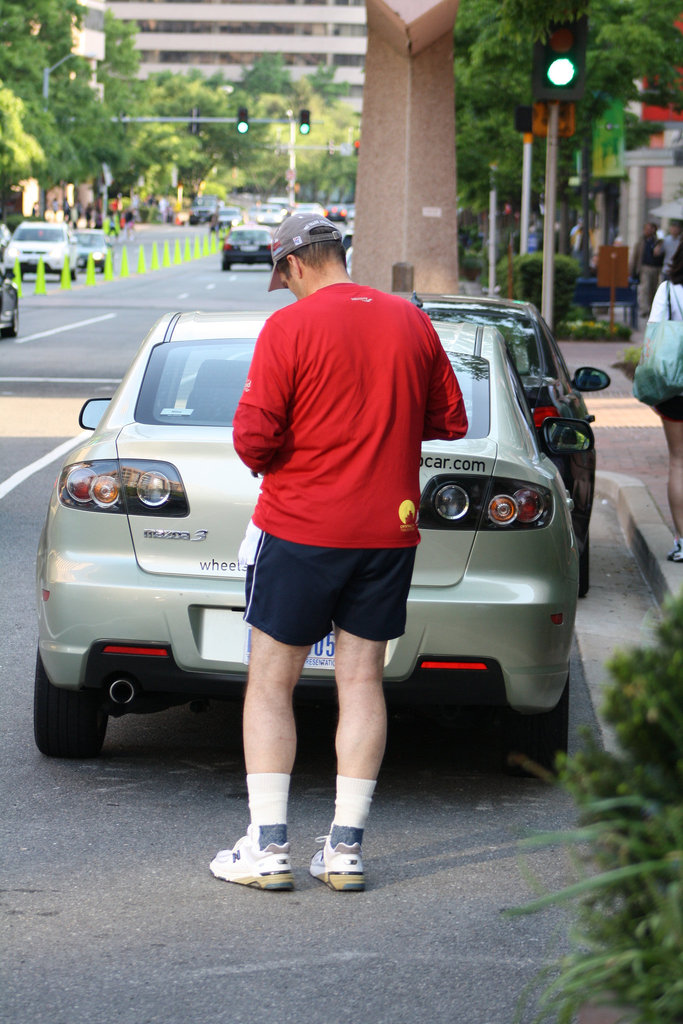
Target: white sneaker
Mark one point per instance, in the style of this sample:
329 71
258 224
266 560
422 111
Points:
247 864
676 553
340 867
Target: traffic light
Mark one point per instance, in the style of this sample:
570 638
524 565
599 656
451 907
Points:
304 122
193 126
243 120
356 147
559 63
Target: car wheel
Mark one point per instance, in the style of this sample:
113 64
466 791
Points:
74 273
226 266
530 740
584 568
66 723
13 329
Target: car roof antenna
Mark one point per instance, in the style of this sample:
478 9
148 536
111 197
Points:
415 300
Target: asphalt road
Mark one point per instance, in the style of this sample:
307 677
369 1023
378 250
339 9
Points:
108 910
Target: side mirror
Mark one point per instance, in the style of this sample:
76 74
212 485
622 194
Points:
587 378
566 437
92 412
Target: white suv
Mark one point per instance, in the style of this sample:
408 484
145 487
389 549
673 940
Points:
34 239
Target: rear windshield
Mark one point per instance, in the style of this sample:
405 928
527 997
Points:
199 383
517 329
35 234
247 237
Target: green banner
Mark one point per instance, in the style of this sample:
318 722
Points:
608 143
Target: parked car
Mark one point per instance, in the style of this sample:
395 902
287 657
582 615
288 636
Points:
336 212
203 208
549 387
34 239
249 243
228 217
94 241
9 306
141 597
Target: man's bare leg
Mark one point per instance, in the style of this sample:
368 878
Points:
362 729
268 725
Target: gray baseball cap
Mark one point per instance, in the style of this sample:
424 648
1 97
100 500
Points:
298 230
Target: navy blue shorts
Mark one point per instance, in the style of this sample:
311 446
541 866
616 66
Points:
296 592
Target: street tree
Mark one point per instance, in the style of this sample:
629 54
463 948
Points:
20 151
634 53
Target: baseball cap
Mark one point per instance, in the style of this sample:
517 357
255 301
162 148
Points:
297 230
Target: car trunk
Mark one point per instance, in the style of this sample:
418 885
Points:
221 494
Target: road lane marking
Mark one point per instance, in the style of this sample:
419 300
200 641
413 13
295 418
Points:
66 327
23 474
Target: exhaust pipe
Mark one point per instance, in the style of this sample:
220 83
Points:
122 692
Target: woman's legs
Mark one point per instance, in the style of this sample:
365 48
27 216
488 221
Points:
673 432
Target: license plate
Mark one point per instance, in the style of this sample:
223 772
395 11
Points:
321 654
249 248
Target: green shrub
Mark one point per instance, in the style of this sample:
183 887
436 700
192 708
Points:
591 330
527 280
628 946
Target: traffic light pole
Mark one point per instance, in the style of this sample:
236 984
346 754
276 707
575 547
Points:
549 219
526 193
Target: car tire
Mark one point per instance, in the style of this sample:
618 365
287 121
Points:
535 740
226 266
13 329
584 567
74 273
66 723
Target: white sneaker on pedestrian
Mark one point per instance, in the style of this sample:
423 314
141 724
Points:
340 867
676 553
247 864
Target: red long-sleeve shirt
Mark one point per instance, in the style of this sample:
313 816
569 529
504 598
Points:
343 387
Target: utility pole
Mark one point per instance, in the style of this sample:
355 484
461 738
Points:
549 219
291 173
525 214
493 203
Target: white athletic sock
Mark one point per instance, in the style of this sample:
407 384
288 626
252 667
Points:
268 794
354 797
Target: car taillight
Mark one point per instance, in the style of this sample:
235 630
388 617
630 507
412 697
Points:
475 502
541 412
226 246
132 486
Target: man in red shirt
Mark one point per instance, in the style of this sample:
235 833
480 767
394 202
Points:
344 386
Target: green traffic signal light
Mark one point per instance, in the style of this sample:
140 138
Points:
559 62
242 120
561 71
304 122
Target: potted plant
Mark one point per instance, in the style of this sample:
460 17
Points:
627 945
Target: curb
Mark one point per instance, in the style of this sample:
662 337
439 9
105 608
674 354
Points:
647 535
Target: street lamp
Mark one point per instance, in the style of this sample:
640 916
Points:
46 77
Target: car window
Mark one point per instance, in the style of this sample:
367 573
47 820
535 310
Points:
39 234
200 383
194 383
517 329
250 237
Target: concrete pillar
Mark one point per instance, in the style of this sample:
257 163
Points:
406 206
